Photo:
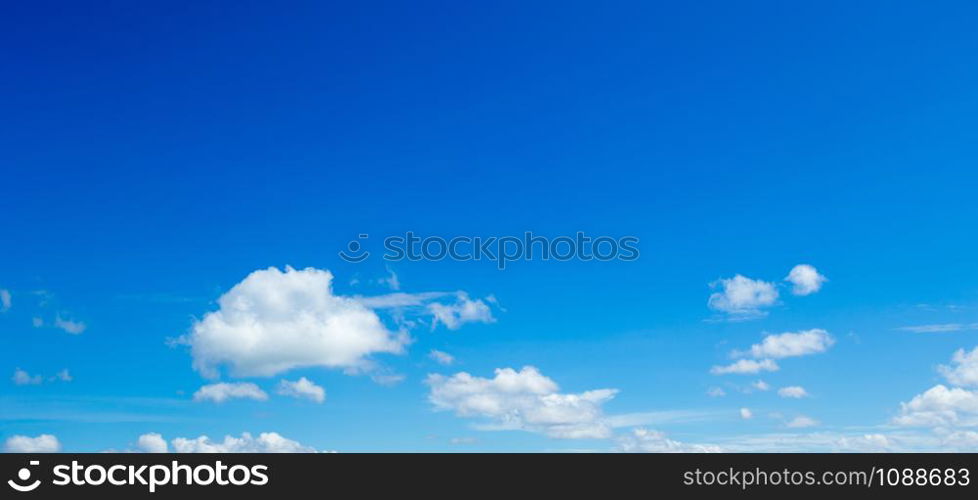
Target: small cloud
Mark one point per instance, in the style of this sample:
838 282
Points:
387 378
266 442
794 391
72 327
221 392
522 400
939 328
801 422
761 385
790 344
745 413
391 281
4 300
806 280
651 441
463 440
152 443
37 322
464 310
45 443
302 389
716 392
746 366
742 297
21 377
441 357
963 370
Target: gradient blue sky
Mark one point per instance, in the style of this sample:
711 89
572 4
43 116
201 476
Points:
152 155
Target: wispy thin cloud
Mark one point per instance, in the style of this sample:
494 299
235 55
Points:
940 328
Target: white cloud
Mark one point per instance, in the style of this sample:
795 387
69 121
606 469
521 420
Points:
464 310
796 442
800 422
274 321
940 406
650 441
441 357
867 443
745 413
388 379
302 389
964 371
743 297
391 280
716 392
223 391
408 306
746 366
21 377
64 376
792 344
37 322
761 385
45 443
4 300
806 279
399 299
72 327
266 442
151 443
522 400
939 328
793 391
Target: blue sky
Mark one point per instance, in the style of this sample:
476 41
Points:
153 156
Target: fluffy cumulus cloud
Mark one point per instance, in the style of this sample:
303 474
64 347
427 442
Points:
943 407
963 370
274 321
441 357
223 391
650 441
940 406
266 442
793 391
805 280
746 414
302 389
45 443
151 443
746 367
742 297
791 344
522 400
4 300
761 385
463 310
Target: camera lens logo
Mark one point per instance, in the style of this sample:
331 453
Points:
354 248
24 475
